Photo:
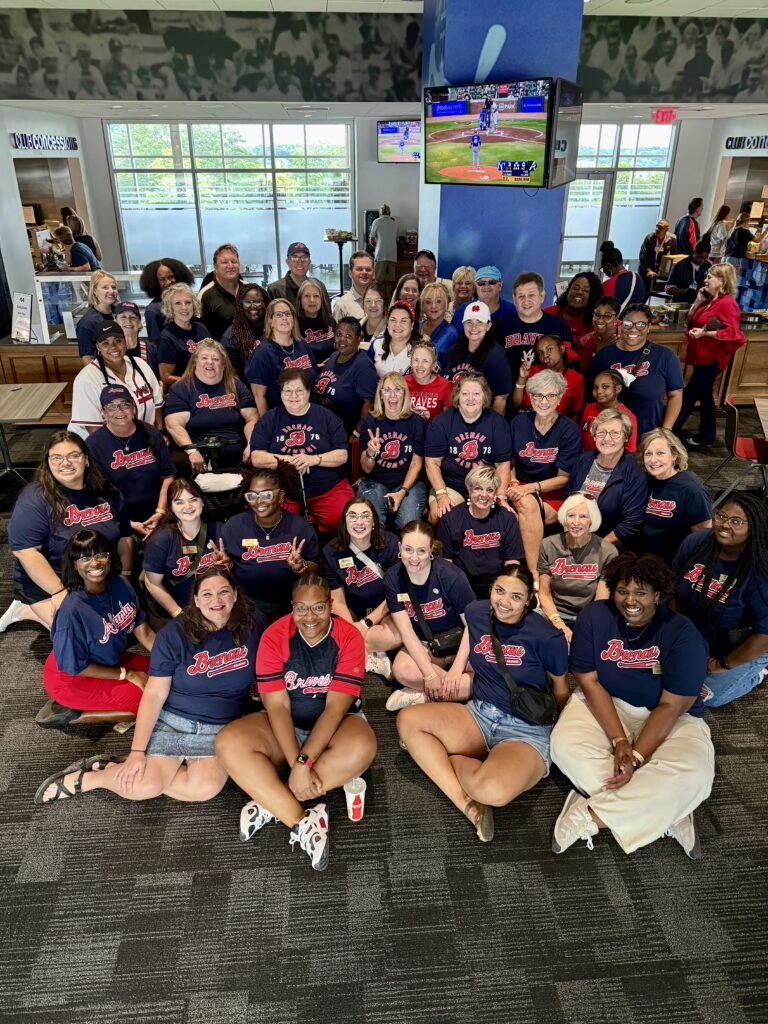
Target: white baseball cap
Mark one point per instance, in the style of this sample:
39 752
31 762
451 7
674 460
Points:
477 311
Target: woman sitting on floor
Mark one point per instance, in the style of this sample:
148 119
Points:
722 587
201 673
309 670
571 563
426 596
88 668
632 737
487 752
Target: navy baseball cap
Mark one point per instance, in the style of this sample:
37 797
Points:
113 392
109 329
297 249
127 307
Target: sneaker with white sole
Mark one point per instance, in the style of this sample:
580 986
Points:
311 833
378 663
574 823
684 831
399 699
252 818
11 614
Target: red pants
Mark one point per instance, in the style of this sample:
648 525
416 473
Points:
326 508
89 693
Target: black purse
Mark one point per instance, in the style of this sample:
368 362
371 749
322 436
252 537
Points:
537 707
440 645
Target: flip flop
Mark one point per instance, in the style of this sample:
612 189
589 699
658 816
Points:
81 766
483 823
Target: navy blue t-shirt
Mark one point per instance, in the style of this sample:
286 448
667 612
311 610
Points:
494 368
443 597
532 648
261 565
669 654
655 375
316 432
134 467
212 409
540 456
81 253
480 546
463 445
30 525
176 346
517 337
210 681
86 326
154 319
344 387
320 339
673 507
95 628
400 441
270 359
742 606
363 588
172 556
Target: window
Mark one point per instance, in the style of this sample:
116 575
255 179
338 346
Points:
184 189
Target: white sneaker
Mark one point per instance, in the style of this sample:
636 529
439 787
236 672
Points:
399 699
684 831
378 663
575 822
11 614
311 833
252 818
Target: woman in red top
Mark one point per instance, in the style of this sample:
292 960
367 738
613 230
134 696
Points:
713 336
577 303
605 328
430 392
606 388
550 353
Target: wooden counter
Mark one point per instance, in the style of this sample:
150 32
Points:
43 364
748 378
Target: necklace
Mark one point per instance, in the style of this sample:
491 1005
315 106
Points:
267 531
627 627
285 347
124 441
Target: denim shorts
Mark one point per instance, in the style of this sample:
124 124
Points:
175 736
497 726
302 735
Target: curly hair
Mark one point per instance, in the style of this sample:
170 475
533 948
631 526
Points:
197 627
180 288
648 569
148 280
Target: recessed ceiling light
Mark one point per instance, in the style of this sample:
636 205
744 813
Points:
117 106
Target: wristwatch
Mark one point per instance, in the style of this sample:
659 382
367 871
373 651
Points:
304 759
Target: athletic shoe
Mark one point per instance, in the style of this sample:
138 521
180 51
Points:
11 615
575 822
252 818
399 699
378 663
694 442
684 831
311 833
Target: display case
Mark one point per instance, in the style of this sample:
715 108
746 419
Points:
62 299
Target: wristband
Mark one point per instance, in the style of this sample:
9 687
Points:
617 740
356 433
160 511
441 492
135 750
557 615
407 490
639 759
123 673
432 675
304 759
177 613
521 386
538 487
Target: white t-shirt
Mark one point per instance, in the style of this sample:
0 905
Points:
86 392
400 363
384 234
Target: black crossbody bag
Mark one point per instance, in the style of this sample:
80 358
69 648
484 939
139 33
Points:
535 706
441 645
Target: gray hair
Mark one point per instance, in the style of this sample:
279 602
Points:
612 414
579 498
482 474
545 382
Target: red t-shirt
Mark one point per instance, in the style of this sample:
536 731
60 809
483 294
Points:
576 323
701 351
573 399
429 400
588 417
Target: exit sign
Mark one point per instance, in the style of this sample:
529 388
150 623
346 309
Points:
664 115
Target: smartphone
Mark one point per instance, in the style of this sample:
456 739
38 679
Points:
706 294
390 503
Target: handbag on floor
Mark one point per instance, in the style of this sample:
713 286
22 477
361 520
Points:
440 645
537 707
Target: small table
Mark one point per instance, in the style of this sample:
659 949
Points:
761 404
26 403
341 243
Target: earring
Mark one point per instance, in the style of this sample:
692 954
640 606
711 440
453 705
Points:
657 600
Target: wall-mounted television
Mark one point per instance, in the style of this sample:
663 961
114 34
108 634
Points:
398 142
567 111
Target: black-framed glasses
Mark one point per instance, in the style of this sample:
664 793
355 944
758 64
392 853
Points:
97 556
635 325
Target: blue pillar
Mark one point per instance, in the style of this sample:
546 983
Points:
468 41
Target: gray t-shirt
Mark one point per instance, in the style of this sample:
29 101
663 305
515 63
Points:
573 572
596 478
384 235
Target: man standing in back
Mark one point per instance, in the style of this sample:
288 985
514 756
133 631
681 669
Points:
361 274
218 296
287 287
383 237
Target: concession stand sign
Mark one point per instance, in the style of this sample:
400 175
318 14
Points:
60 143
746 143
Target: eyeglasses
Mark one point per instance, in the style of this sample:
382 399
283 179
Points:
254 302
304 609
299 259
282 313
294 393
733 521
603 316
56 460
614 435
252 496
359 517
545 398
392 391
99 556
635 325
119 407
486 284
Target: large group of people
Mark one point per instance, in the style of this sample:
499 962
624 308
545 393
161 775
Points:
478 499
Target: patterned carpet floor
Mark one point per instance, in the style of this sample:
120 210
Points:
156 913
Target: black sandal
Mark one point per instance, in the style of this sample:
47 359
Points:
82 767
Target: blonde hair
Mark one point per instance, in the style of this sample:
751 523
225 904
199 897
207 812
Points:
676 446
96 278
464 274
612 414
229 377
435 288
399 381
179 289
595 517
472 378
429 345
268 316
726 275
481 474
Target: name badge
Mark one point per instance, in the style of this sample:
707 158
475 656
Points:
403 597
187 550
657 668
346 563
252 543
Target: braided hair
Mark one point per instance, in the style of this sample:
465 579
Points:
753 561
